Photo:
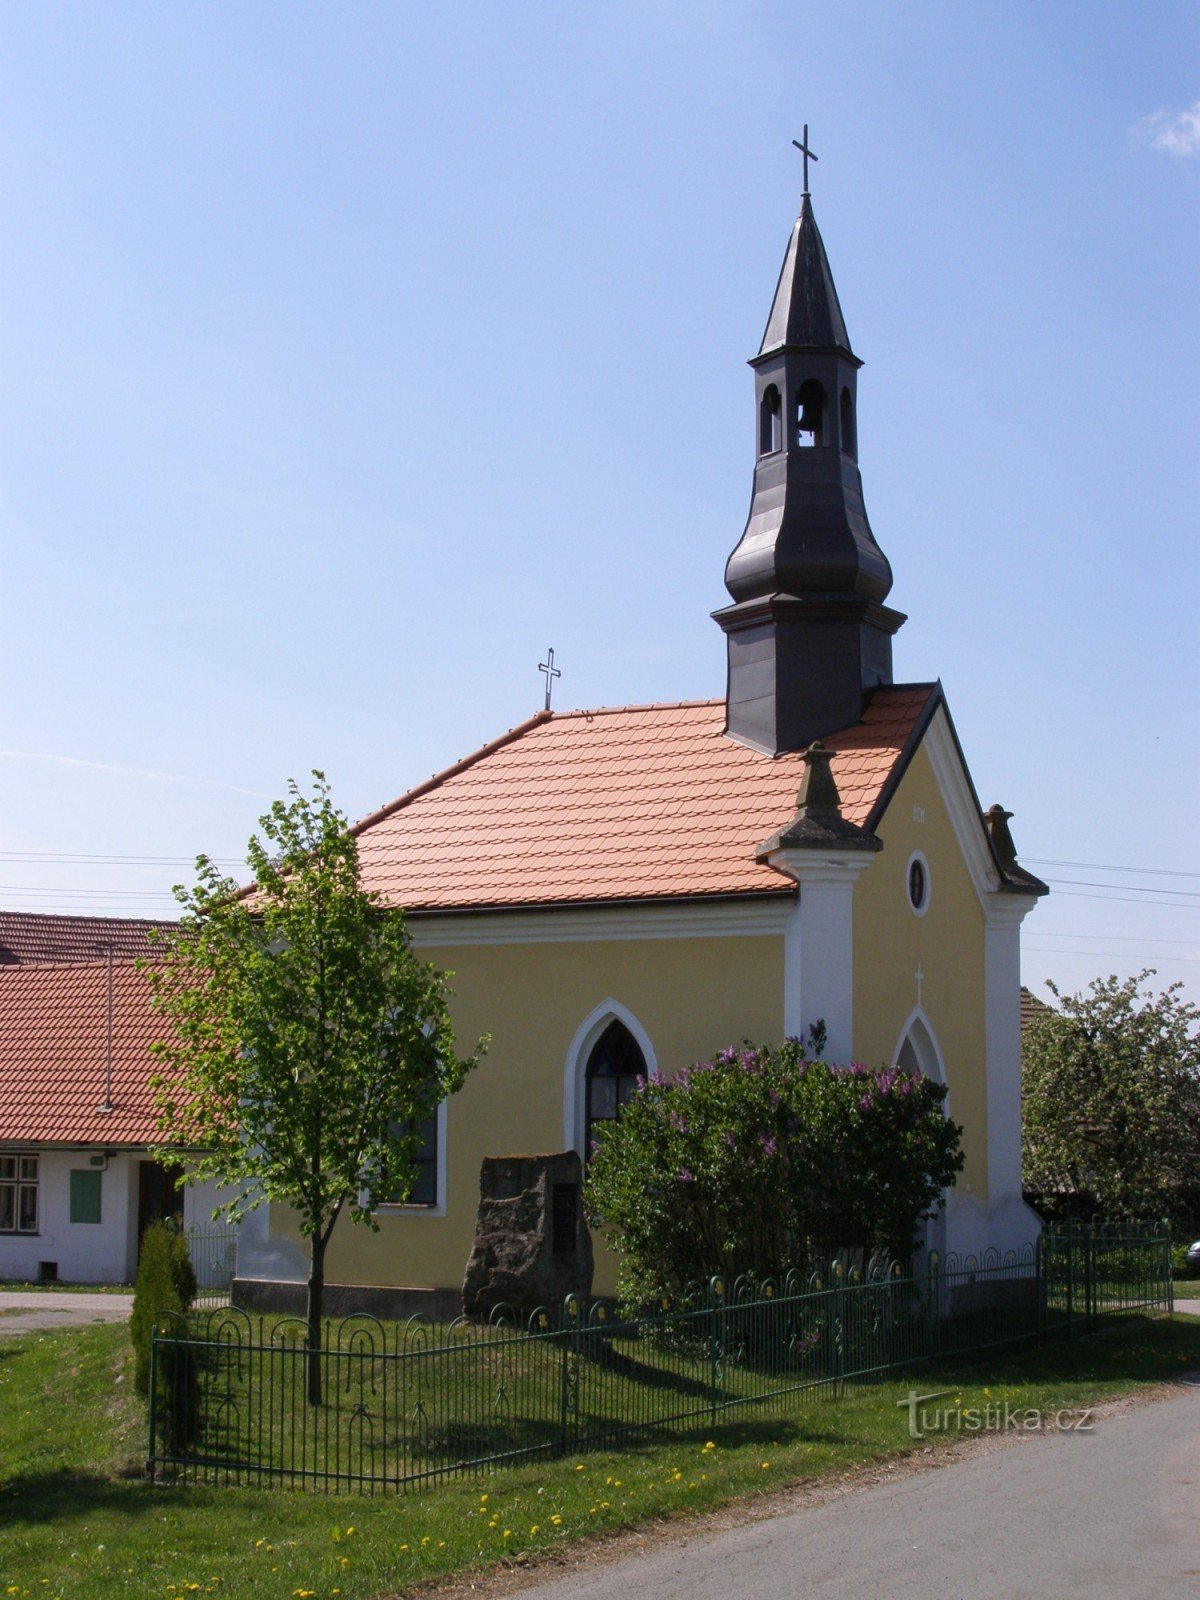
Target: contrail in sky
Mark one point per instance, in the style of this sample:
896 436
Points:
130 772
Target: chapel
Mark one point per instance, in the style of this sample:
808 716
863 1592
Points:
634 888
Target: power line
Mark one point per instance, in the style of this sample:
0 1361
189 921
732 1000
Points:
1117 955
1124 899
72 894
1126 938
75 858
1100 866
1129 888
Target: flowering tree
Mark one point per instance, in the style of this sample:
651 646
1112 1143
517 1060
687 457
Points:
306 1039
761 1157
1111 1100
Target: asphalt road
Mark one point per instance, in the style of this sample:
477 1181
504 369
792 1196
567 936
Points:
1112 1514
37 1310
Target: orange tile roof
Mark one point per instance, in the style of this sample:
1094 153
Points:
52 1048
42 936
636 802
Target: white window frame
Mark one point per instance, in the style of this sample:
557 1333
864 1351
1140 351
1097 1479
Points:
17 1183
918 911
575 1066
405 1208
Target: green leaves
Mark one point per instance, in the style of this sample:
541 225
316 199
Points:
302 1025
751 1161
1111 1100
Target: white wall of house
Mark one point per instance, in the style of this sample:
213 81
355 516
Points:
89 1252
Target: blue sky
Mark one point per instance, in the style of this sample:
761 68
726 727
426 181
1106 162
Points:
350 356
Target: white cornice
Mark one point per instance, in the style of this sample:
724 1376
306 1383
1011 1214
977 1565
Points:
598 924
822 866
954 786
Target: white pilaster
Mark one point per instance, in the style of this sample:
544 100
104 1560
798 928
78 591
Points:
819 945
1002 1032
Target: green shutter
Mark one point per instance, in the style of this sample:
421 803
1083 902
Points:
85 1196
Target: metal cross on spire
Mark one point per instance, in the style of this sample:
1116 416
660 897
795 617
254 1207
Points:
551 672
802 146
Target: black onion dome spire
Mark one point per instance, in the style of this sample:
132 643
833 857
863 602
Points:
808 634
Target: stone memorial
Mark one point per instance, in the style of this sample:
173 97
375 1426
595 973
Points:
532 1246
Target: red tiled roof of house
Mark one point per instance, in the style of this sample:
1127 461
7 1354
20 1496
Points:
636 802
53 1022
1032 1008
36 936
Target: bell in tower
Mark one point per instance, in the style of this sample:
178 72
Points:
808 634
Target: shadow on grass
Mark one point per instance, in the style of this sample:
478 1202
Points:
41 1497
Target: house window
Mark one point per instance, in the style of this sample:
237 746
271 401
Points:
613 1068
424 1191
18 1194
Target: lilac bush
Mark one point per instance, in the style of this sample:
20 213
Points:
762 1159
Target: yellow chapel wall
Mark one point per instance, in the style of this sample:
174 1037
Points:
948 944
692 996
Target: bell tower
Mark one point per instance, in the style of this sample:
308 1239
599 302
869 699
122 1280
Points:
808 634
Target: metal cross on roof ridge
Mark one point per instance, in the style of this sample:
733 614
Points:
802 146
551 672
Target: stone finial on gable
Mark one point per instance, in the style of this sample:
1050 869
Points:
1014 876
818 823
995 820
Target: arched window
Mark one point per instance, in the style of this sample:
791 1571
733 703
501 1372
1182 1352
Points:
770 422
849 440
810 412
610 1078
918 1049
918 1052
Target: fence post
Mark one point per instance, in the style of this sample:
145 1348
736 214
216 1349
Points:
572 1335
1089 1280
1070 1278
1168 1266
717 1313
153 1397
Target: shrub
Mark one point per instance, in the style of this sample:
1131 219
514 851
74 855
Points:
760 1158
165 1283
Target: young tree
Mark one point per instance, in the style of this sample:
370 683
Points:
307 1041
1111 1086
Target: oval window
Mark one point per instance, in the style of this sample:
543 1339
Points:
918 883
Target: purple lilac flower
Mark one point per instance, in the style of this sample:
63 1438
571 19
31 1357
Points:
684 1176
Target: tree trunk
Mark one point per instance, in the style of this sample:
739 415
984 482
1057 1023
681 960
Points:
316 1297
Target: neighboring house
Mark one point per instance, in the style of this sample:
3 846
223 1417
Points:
77 1182
34 936
635 888
1032 1009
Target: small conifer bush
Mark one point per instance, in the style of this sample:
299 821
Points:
165 1283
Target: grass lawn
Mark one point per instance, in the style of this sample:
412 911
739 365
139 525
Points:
75 1521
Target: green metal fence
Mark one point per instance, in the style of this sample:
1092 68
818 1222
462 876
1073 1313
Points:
213 1253
406 1404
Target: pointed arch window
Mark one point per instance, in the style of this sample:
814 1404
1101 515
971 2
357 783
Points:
610 1078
